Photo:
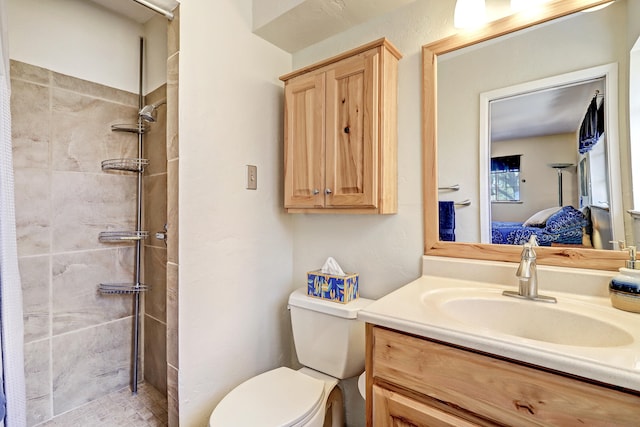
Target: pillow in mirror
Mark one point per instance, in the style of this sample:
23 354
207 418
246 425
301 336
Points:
539 219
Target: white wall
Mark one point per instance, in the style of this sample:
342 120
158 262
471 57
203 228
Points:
83 40
540 187
235 244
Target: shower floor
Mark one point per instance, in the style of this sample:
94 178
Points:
119 409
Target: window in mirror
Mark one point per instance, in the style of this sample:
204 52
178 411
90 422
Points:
505 179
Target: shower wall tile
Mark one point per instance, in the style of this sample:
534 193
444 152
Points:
95 90
30 73
35 274
173 33
155 206
172 396
90 363
76 301
155 276
155 362
33 211
155 141
78 342
83 147
86 204
172 211
172 314
30 124
172 106
38 381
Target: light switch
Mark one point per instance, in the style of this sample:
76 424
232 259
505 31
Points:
252 177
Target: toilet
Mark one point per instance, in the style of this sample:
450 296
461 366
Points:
330 344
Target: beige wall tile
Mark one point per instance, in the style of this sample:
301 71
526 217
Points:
172 396
155 200
155 276
30 124
86 204
38 381
35 273
172 314
81 135
76 301
173 33
90 363
155 140
155 358
33 210
172 106
95 90
30 73
172 211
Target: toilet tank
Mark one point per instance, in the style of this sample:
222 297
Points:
328 336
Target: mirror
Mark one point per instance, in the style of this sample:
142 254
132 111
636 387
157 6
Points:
462 138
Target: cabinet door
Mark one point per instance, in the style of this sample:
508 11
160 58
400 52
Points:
391 409
304 142
352 131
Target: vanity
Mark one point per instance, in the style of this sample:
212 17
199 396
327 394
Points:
450 350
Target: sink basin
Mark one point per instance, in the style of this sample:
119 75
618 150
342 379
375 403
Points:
566 323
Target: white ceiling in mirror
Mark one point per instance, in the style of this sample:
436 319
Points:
548 112
136 11
293 25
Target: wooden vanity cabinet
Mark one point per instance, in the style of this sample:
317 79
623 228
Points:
340 133
412 381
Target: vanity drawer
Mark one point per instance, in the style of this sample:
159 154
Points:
494 389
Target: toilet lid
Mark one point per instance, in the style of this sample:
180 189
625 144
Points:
278 398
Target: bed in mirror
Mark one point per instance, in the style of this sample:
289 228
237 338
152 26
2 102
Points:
485 96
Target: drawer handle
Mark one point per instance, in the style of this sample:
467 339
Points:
316 191
328 191
347 130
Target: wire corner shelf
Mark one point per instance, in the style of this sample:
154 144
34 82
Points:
131 128
122 288
130 165
122 236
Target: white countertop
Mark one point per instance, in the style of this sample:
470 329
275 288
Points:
413 309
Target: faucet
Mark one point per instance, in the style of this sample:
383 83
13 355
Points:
527 275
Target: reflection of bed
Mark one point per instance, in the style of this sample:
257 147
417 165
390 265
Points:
564 225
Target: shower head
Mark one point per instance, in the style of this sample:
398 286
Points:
148 112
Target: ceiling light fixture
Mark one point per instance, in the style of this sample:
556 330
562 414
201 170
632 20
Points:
602 6
469 13
518 5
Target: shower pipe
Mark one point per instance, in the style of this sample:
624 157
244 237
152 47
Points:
168 14
136 320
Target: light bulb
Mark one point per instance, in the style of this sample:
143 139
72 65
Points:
469 13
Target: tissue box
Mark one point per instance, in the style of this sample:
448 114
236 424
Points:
342 289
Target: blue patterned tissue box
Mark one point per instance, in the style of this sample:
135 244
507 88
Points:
342 289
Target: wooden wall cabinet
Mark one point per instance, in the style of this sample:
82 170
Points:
413 381
340 133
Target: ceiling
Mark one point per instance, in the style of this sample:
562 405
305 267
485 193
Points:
547 112
133 10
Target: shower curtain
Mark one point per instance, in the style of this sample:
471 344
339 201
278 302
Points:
12 390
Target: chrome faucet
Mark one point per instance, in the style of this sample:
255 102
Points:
527 275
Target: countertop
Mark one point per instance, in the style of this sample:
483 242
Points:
410 309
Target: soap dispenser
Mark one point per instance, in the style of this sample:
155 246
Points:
624 288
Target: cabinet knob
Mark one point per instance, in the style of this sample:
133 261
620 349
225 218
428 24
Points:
347 130
327 191
316 191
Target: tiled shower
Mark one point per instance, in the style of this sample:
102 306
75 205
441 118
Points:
77 341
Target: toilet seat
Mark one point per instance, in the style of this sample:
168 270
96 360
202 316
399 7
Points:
278 398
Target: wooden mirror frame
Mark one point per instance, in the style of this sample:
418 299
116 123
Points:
559 256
